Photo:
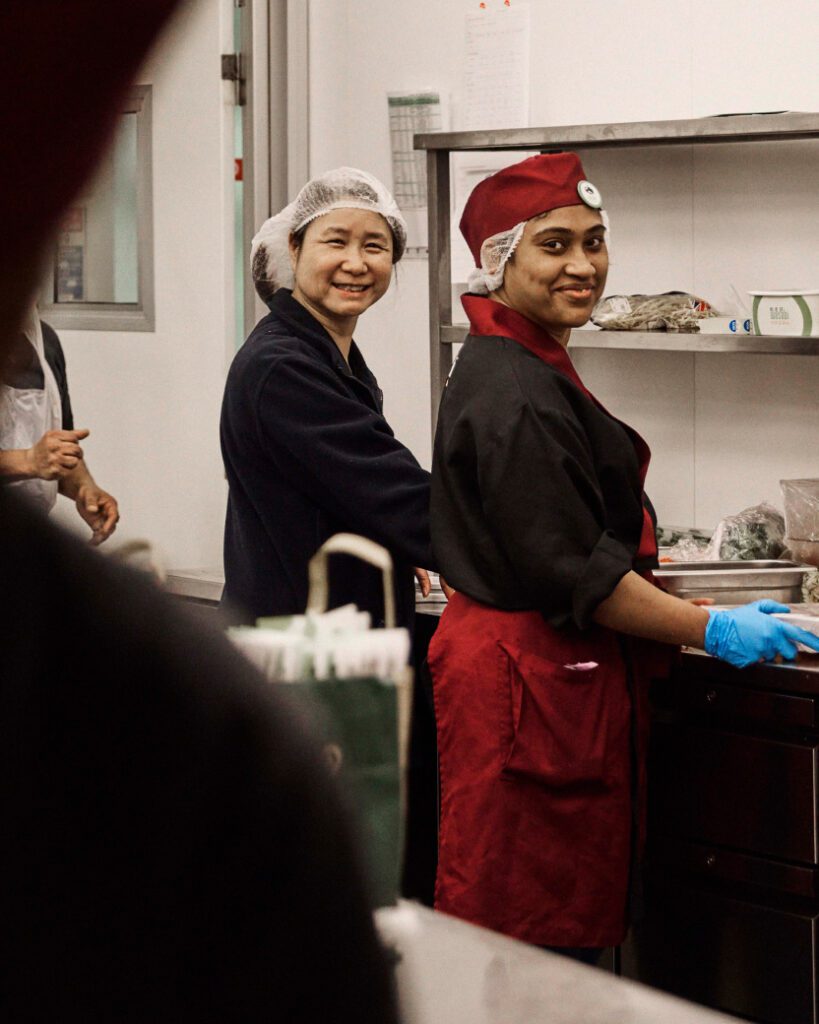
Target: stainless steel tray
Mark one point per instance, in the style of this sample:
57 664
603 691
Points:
735 582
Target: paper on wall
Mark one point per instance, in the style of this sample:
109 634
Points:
497 68
412 113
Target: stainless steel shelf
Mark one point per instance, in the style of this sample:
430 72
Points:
659 341
782 127
733 128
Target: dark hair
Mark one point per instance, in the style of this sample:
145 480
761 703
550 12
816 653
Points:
297 237
264 287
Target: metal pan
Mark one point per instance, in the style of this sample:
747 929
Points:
735 582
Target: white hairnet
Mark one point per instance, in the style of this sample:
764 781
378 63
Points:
497 249
342 188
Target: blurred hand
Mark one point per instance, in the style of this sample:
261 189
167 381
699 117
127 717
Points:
448 591
423 581
701 602
99 509
56 454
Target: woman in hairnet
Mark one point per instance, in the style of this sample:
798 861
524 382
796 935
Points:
541 524
306 447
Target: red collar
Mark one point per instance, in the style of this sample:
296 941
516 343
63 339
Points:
493 319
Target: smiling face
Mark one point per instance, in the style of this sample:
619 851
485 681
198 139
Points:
558 271
342 265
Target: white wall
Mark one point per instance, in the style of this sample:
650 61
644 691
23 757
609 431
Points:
151 400
724 429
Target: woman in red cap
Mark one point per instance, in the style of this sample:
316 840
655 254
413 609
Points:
541 524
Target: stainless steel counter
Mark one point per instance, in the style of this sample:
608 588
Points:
196 584
450 972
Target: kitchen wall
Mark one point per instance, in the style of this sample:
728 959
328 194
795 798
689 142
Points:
151 400
714 220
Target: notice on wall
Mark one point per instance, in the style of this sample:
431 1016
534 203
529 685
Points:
497 67
412 113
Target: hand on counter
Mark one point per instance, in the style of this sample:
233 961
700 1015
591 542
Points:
748 634
423 581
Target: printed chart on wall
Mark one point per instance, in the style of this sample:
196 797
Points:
497 66
411 113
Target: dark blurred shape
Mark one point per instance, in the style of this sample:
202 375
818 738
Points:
172 847
66 66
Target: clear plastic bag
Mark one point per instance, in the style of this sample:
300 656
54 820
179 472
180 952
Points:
671 311
801 498
810 587
757 532
687 549
679 544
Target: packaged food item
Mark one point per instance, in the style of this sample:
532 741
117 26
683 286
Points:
682 544
757 532
735 324
810 588
801 498
671 311
806 551
786 312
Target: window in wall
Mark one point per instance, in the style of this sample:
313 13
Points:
100 276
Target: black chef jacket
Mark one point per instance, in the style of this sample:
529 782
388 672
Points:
537 500
308 454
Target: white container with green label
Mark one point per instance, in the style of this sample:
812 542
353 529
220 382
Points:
792 313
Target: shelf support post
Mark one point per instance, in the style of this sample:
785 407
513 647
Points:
440 274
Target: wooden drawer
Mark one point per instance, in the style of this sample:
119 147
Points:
753 958
745 792
715 862
708 697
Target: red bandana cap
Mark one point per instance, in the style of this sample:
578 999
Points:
522 191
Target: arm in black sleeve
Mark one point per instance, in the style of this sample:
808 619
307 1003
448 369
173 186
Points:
56 360
543 503
343 455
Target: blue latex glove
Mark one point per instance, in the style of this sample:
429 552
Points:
748 634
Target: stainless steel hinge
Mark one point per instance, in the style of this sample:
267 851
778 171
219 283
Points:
233 70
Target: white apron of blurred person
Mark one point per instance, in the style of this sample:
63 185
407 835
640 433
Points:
26 413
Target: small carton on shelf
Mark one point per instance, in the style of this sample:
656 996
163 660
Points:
734 324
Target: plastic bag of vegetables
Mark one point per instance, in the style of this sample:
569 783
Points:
756 532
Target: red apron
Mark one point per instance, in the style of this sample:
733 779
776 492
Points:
541 750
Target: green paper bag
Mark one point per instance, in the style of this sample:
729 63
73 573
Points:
358 721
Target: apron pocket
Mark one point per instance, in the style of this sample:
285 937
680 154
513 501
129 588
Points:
555 718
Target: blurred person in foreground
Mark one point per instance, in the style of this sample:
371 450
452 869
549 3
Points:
172 846
40 451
